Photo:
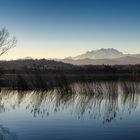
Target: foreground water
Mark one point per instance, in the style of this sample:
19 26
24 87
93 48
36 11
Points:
101 111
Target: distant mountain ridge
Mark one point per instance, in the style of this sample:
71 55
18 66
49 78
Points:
103 56
116 61
100 54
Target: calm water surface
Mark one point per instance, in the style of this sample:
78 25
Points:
100 111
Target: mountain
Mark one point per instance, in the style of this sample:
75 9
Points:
125 60
100 54
136 55
103 56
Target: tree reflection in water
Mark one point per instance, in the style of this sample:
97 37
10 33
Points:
97 100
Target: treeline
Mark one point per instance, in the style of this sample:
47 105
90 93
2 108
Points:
51 66
47 74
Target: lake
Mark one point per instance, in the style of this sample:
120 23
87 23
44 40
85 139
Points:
104 110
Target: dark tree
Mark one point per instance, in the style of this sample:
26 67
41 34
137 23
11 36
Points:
6 42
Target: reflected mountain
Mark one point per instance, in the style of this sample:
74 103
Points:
97 100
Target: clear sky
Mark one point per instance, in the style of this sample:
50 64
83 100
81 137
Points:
61 28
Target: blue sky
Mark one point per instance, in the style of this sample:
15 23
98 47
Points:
61 28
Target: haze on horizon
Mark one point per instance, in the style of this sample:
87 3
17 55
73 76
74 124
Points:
62 28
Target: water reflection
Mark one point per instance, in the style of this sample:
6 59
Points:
130 98
97 100
6 134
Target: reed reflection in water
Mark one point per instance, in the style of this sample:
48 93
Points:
96 100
